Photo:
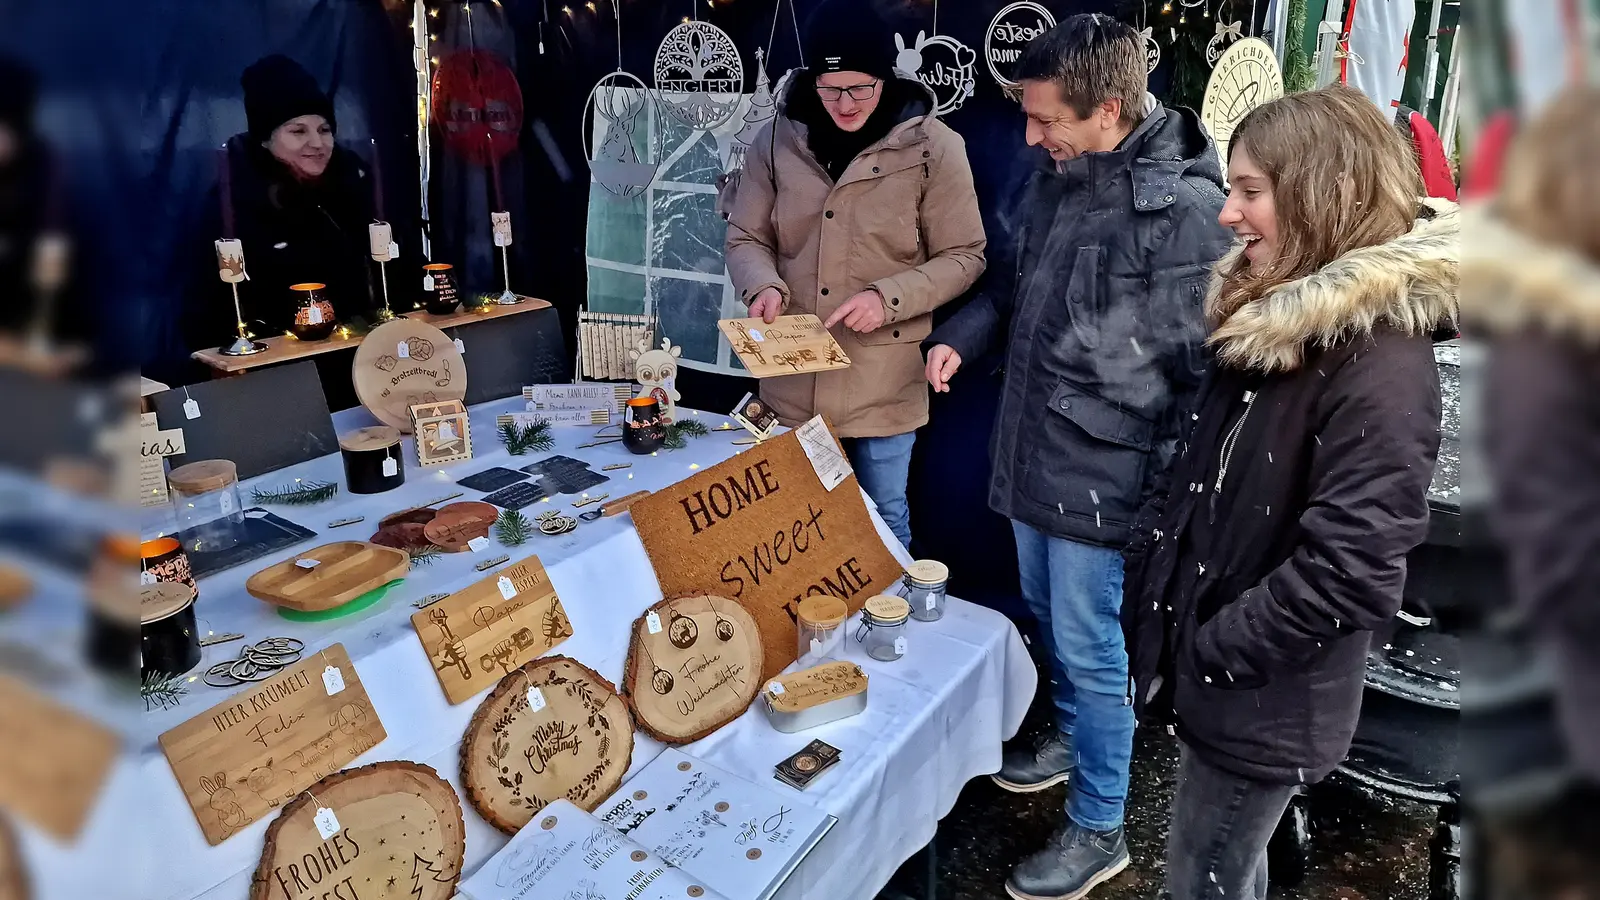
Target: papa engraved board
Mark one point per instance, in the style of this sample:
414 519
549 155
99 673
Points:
259 749
761 529
479 635
790 345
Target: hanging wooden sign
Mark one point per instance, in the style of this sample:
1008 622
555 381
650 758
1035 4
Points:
388 831
762 529
53 761
259 749
694 665
790 345
405 362
478 635
549 730
1246 76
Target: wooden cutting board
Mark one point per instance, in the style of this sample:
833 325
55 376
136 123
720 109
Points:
343 572
694 664
400 837
551 729
789 345
404 362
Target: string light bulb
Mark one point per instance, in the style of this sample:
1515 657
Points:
567 10
590 4
1167 8
434 13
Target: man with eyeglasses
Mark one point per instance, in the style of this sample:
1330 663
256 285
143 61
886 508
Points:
855 204
1101 315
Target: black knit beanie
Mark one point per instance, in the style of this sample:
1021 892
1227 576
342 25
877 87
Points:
849 36
277 89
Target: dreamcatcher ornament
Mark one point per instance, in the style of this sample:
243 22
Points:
947 66
619 99
699 75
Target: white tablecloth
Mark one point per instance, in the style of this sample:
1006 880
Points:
936 718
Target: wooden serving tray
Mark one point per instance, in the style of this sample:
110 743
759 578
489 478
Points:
344 571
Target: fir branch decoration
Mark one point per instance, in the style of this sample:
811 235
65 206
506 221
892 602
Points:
678 433
519 439
300 493
424 555
513 528
163 691
1298 75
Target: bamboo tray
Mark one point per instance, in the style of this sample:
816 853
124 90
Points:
344 571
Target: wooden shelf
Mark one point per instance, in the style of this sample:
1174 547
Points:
285 348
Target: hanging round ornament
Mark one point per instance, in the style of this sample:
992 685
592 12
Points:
1009 33
1152 50
616 104
1246 76
699 75
947 66
477 105
1227 35
763 108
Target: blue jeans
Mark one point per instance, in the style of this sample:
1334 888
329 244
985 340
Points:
882 466
1075 592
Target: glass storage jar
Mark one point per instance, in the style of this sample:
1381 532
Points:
883 627
205 499
313 313
819 625
924 589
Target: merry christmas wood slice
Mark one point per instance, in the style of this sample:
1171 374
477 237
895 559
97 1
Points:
399 837
694 665
405 362
551 729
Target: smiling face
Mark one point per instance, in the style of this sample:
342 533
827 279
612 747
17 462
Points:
304 144
1250 210
848 111
1054 125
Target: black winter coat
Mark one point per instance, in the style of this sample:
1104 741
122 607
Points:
1102 313
1282 540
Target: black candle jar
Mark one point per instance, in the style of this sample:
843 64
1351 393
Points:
169 638
643 432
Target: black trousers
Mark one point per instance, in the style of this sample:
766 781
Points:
1217 840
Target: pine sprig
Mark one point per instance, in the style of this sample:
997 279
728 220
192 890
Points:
163 691
424 555
513 528
300 493
521 438
678 433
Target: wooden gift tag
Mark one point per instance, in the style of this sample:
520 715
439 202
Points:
477 636
816 686
789 346
53 761
258 750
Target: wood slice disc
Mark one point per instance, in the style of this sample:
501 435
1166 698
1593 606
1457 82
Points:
515 761
400 837
698 673
452 533
474 508
389 384
13 876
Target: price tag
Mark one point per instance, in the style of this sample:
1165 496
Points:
402 350
816 645
653 623
327 823
775 689
427 282
461 347
147 578
933 602
314 315
477 544
535 700
757 336
390 467
226 504
900 646
191 409
308 563
507 589
394 249
333 680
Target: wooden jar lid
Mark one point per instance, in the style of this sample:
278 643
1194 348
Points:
375 437
887 609
929 571
202 476
162 599
822 612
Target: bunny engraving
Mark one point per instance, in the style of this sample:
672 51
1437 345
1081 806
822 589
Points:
909 59
224 802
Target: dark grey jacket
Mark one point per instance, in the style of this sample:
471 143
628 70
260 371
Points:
1102 310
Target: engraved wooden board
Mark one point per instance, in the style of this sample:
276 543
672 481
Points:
816 686
760 528
389 384
476 636
13 874
259 749
400 837
789 346
698 673
53 761
515 760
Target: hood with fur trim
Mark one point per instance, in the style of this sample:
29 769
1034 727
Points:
1409 283
1514 282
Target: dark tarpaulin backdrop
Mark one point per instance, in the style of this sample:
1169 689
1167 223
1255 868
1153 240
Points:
360 50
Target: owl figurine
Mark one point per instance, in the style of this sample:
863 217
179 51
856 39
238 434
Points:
657 372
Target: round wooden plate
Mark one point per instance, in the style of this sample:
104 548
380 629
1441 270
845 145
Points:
698 673
475 508
514 761
388 385
13 877
400 838
452 533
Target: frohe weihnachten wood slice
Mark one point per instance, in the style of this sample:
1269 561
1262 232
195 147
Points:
400 837
577 744
698 672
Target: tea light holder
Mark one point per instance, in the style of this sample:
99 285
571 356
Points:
500 225
380 235
230 268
